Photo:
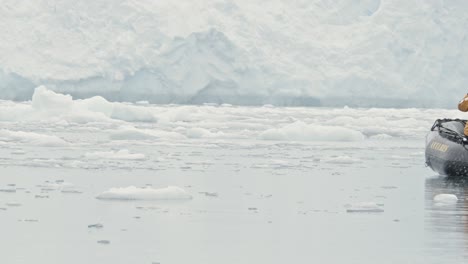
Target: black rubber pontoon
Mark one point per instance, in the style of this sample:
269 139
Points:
446 152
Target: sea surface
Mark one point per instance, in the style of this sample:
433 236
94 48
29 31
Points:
267 185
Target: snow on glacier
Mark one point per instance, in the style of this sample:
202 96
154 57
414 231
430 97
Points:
320 52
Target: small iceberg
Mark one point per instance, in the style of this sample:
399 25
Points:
146 193
445 199
367 207
96 226
104 242
123 154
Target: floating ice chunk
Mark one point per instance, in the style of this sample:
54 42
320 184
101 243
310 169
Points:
8 190
71 191
31 220
44 99
131 133
47 189
389 187
366 207
211 104
132 113
122 154
209 194
52 104
342 160
198 132
96 104
18 152
300 131
52 186
96 226
381 137
13 204
31 138
118 111
445 199
146 208
135 193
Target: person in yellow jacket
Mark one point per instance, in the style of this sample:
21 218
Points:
463 106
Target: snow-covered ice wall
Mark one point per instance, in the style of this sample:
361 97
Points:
295 52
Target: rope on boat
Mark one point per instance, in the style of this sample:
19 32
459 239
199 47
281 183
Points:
449 133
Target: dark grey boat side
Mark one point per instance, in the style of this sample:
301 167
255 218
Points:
446 152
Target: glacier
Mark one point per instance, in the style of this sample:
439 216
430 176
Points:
394 53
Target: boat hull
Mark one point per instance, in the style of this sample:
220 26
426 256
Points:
445 155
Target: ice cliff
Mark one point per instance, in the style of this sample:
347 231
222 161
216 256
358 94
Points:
396 53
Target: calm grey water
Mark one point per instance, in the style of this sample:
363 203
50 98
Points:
446 227
269 185
274 203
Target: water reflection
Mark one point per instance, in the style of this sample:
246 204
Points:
446 224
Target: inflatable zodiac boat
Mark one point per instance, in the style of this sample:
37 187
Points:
446 148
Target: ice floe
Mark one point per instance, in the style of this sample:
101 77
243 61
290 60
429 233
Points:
381 137
8 190
49 105
365 207
96 226
147 193
300 131
31 138
124 121
133 133
445 199
55 186
198 132
123 154
103 242
342 160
